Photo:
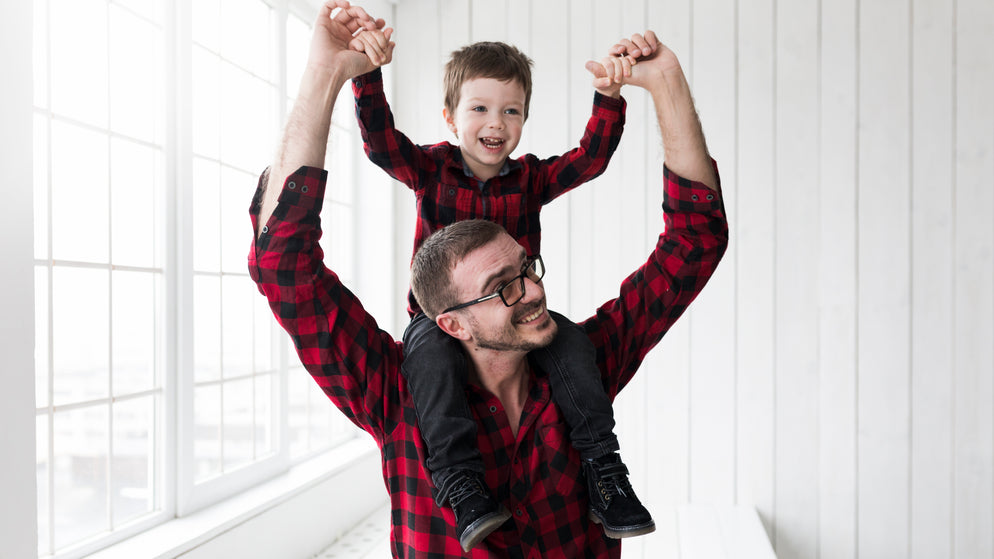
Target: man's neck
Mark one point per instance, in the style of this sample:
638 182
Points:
504 374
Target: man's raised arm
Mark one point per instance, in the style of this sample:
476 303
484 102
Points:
334 59
658 71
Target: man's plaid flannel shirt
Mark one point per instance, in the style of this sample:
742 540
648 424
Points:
445 193
537 474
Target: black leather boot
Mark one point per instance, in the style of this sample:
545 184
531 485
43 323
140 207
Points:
477 512
613 503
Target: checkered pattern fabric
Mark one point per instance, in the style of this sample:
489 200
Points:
446 194
536 474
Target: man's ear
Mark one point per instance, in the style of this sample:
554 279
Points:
450 121
451 324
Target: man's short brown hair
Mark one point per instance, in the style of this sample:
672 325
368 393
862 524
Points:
486 59
431 270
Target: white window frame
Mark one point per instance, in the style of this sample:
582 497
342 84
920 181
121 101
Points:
177 493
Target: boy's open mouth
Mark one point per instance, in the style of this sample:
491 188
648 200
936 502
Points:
492 143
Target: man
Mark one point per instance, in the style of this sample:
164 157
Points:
501 314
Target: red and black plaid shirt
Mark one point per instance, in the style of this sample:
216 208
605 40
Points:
446 193
536 474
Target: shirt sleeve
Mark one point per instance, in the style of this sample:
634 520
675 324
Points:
384 145
652 298
354 362
557 175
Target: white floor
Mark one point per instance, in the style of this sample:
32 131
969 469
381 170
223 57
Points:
685 532
370 539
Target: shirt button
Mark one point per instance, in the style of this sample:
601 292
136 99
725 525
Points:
265 229
303 189
291 185
518 512
710 196
695 198
452 192
493 409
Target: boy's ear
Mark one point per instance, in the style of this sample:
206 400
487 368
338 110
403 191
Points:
452 325
450 121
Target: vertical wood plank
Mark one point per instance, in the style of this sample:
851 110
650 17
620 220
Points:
489 21
754 234
837 282
712 337
797 231
884 282
974 277
932 302
548 127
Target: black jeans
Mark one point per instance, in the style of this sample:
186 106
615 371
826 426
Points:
436 373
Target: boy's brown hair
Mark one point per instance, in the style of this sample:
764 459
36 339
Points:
486 59
431 270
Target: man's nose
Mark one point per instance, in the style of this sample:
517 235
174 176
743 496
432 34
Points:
534 291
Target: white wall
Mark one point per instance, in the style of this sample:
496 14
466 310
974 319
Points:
838 371
18 527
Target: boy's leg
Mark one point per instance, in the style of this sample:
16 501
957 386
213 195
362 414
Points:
578 390
435 369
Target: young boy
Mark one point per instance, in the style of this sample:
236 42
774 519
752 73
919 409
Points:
487 93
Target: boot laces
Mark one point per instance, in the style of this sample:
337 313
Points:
463 489
614 480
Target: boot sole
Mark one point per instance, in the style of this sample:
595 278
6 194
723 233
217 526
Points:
618 532
477 531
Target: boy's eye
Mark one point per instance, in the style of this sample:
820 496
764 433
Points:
511 111
479 108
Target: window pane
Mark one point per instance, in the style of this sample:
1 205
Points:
79 194
207 432
207 216
151 10
206 328
135 300
265 333
299 384
134 456
247 35
133 187
79 59
136 81
80 468
41 477
236 330
206 21
41 336
236 227
238 423
206 103
80 313
298 40
40 51
247 119
264 388
41 186
340 239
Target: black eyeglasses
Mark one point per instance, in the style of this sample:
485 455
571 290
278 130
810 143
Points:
512 291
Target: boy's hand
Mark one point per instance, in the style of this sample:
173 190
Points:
615 69
376 44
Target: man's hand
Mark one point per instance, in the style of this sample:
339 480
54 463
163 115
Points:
653 59
334 45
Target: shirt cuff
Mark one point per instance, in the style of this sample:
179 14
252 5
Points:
609 108
304 188
370 79
691 196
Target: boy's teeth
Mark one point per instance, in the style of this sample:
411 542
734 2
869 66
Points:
492 143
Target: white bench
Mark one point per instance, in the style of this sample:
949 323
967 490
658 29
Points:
684 532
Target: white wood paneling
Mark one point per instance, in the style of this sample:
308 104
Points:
973 341
932 301
837 278
837 372
884 279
